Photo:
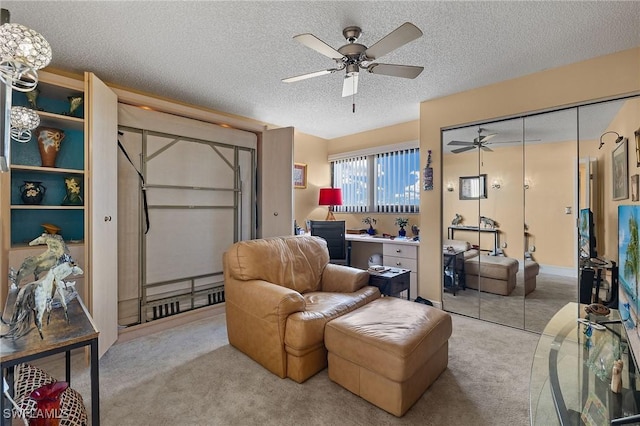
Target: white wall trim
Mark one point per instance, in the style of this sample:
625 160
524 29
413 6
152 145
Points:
375 150
562 271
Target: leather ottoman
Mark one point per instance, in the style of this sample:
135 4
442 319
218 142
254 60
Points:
493 274
389 351
531 270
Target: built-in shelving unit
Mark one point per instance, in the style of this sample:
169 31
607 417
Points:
52 104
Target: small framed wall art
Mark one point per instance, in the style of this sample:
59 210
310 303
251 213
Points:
299 175
620 172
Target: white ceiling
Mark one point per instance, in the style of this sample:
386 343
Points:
231 56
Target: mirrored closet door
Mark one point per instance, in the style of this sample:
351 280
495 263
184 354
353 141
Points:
512 193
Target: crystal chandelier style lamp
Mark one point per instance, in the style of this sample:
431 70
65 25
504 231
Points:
23 121
22 53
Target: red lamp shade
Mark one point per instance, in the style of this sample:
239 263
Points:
330 197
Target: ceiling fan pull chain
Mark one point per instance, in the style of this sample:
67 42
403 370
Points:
353 103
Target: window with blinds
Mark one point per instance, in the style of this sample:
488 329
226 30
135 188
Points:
386 182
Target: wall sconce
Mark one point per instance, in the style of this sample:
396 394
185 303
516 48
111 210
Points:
23 121
496 184
450 187
23 52
618 140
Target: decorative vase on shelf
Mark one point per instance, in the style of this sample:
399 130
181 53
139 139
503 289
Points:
73 197
371 231
402 232
32 192
49 140
74 104
47 399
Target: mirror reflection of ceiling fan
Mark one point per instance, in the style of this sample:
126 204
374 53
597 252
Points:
480 142
354 57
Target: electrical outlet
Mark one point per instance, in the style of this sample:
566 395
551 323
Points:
567 210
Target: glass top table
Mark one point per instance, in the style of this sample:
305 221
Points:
571 372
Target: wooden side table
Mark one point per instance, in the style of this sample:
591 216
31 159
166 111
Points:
392 282
60 336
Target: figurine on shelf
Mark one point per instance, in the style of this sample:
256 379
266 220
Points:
616 376
73 197
456 220
32 98
488 222
74 104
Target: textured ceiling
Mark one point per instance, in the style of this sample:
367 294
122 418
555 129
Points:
231 56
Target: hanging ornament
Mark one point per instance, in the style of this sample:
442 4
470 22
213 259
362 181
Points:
428 174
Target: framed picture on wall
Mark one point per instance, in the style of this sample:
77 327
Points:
299 175
620 172
637 135
473 187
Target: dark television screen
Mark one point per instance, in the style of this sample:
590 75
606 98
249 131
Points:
587 235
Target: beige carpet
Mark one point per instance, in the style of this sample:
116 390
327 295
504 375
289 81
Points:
532 312
190 375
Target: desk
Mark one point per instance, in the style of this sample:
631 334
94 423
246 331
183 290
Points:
397 253
59 336
570 382
494 231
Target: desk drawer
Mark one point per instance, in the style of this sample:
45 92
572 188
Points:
401 262
400 250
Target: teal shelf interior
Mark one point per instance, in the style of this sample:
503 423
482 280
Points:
26 224
53 182
70 156
44 103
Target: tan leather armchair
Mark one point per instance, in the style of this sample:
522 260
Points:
279 294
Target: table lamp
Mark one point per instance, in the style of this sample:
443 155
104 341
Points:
330 197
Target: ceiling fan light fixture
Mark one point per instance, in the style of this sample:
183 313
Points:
23 51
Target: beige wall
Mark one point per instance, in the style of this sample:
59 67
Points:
552 184
576 83
312 151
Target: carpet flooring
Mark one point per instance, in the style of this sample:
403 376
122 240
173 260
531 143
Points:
190 375
532 312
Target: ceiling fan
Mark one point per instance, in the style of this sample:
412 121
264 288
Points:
354 57
480 142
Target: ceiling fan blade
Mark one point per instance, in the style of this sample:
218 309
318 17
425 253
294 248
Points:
309 75
465 143
459 150
405 71
485 138
486 148
318 45
399 37
350 85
